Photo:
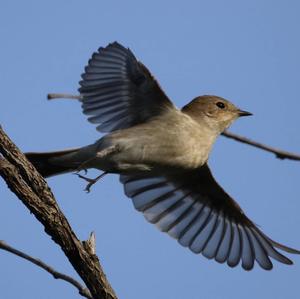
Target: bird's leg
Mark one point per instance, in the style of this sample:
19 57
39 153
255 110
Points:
91 181
102 154
99 155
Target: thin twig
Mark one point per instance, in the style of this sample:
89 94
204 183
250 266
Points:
57 275
280 154
53 96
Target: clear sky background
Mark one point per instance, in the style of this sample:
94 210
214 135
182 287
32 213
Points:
245 51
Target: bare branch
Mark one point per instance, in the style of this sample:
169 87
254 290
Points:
57 275
90 244
53 96
280 154
30 187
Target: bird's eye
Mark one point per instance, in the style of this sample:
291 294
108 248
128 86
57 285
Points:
221 105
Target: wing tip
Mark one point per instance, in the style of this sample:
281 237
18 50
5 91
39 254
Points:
285 248
247 268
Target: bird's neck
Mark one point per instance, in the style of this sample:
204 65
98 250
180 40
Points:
206 123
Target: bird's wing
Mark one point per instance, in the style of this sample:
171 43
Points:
118 91
196 211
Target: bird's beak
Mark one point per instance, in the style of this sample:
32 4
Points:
244 113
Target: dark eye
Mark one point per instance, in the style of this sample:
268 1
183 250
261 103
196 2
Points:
221 105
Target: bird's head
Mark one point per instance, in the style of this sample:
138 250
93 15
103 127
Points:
214 111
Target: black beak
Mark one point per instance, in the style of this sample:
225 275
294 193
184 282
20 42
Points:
244 113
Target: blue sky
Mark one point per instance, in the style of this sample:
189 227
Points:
245 51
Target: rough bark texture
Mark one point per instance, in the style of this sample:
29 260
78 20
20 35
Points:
31 188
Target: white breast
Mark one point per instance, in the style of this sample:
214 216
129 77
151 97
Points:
176 140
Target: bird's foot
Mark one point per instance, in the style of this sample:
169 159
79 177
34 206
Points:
90 181
82 169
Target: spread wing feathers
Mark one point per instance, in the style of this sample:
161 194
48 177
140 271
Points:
197 212
118 91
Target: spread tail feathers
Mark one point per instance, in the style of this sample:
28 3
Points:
48 163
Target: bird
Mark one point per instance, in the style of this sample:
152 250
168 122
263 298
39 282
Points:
161 154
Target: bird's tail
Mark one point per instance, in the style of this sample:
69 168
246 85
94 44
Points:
53 163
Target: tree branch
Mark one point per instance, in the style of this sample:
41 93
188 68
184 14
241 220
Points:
30 187
53 96
57 275
281 154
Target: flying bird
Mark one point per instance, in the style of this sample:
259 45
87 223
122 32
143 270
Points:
161 154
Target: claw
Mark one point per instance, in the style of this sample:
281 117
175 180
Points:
78 170
90 181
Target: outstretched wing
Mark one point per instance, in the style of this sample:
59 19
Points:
118 91
196 211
